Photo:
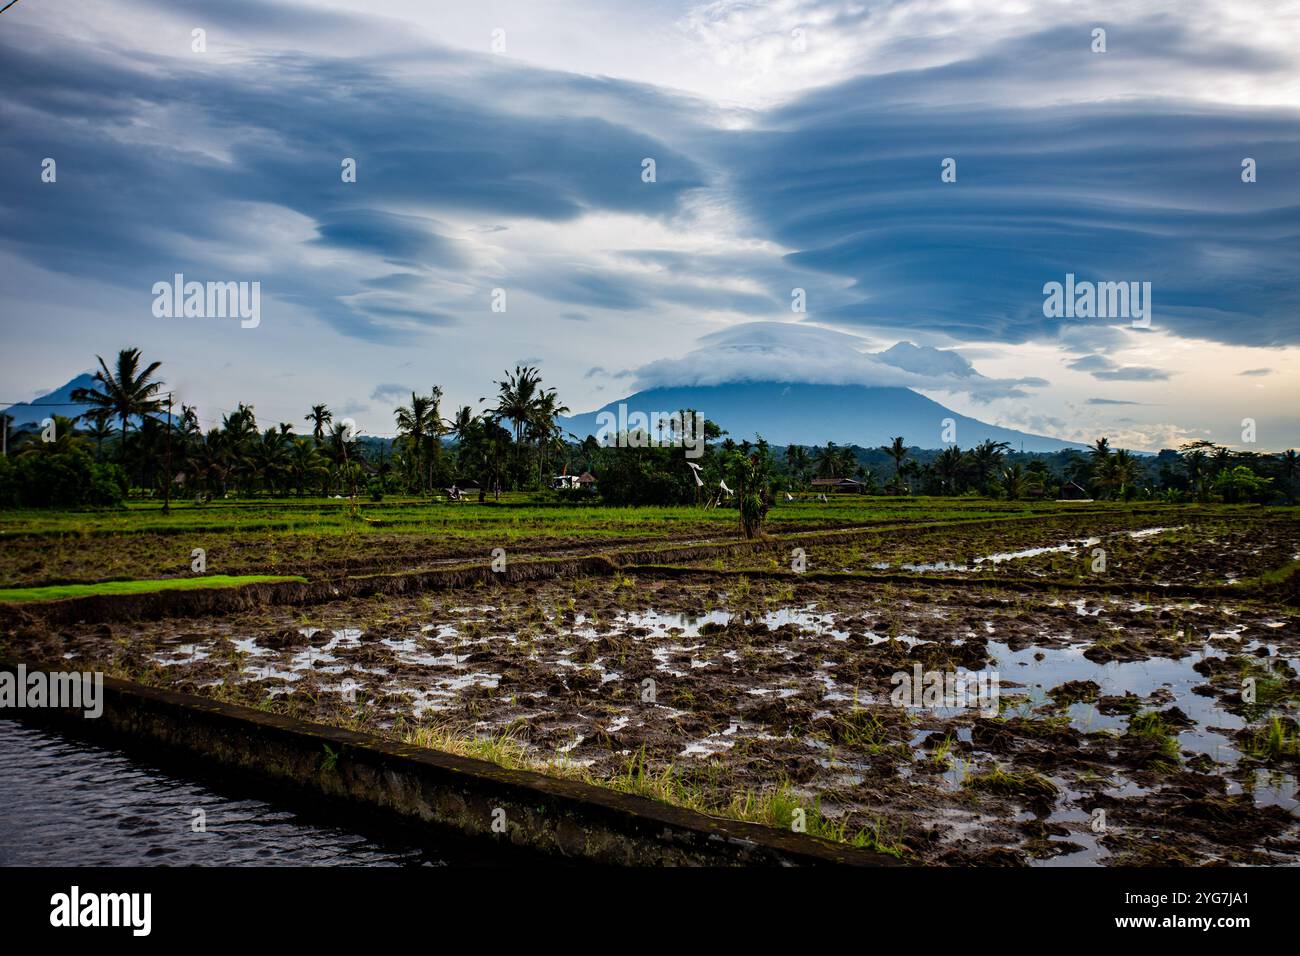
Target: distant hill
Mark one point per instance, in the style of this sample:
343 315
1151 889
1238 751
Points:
58 402
792 414
55 403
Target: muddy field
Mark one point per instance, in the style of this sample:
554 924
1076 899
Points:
1156 549
1126 728
331 538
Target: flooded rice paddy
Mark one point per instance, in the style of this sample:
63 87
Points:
1131 725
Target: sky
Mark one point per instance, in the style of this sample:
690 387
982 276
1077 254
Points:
798 153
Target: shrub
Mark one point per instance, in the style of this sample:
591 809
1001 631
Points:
60 480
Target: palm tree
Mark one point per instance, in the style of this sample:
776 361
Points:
896 450
127 392
101 427
1102 467
270 457
413 423
306 466
1123 473
459 426
987 457
1013 481
210 462
239 432
319 416
827 461
515 397
948 465
65 439
796 459
1196 463
542 427
1290 467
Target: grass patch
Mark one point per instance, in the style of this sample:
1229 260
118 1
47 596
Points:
61 592
1009 783
1150 730
1274 740
778 808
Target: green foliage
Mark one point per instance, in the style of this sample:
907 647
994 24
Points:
1240 484
59 592
645 476
69 479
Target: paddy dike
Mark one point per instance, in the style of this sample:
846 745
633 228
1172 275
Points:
373 776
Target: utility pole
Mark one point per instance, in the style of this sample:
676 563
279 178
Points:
167 478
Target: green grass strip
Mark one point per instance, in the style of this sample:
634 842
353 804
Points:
61 592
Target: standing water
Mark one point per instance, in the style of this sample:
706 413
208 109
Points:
64 802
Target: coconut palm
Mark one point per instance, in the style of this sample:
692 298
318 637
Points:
1124 473
460 425
414 422
542 428
270 456
306 466
100 421
827 461
516 395
1290 468
319 416
1102 468
1013 481
127 391
1196 462
896 450
948 466
987 458
796 460
65 439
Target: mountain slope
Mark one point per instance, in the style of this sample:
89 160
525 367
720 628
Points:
56 402
59 402
787 414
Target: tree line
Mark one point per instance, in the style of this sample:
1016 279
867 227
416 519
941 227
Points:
127 442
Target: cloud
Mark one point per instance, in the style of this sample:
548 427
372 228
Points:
1113 401
1132 373
169 165
797 353
1256 372
390 393
1104 369
1131 189
352 406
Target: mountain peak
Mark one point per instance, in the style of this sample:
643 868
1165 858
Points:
788 413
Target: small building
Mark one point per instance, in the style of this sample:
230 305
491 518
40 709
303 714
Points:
1073 491
585 481
837 484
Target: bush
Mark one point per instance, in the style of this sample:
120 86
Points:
60 480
